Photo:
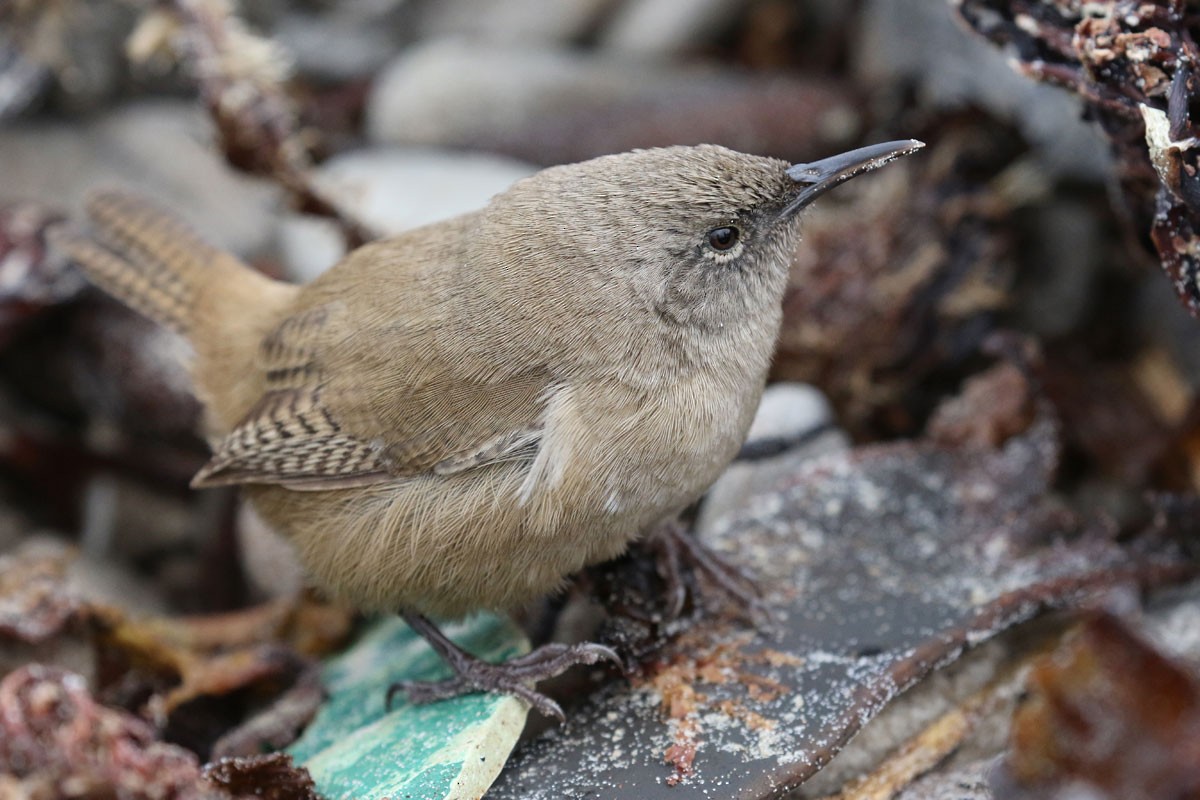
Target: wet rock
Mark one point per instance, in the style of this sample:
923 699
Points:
552 106
882 563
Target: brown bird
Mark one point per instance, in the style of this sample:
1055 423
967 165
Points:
459 417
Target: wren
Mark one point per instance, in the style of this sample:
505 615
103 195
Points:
459 417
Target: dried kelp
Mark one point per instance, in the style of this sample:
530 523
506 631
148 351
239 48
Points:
1133 65
908 284
244 82
59 742
1109 716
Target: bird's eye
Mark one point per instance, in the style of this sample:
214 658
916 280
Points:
722 239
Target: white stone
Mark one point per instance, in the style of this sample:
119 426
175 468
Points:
391 190
788 410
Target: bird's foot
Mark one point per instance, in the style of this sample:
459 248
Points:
517 676
736 586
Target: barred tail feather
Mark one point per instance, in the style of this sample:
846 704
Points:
158 266
147 258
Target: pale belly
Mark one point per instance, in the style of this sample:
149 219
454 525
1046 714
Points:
440 546
493 538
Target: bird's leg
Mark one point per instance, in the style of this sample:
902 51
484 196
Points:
517 676
675 546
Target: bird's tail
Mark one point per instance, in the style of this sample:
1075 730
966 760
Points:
157 265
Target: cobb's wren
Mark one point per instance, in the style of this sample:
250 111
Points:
459 417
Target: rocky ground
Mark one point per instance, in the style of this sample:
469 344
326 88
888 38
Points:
978 548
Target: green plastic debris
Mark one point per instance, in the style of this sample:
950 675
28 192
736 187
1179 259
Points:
455 748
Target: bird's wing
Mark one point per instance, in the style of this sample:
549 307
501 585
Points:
344 410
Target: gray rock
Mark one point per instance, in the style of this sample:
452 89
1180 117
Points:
509 20
350 39
160 148
551 106
663 28
93 41
444 89
392 190
80 45
308 245
789 410
107 582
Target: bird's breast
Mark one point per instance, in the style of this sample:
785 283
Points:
635 458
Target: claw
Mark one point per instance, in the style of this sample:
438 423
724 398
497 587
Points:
677 545
515 676
393 690
422 692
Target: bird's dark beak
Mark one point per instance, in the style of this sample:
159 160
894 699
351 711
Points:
821 176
